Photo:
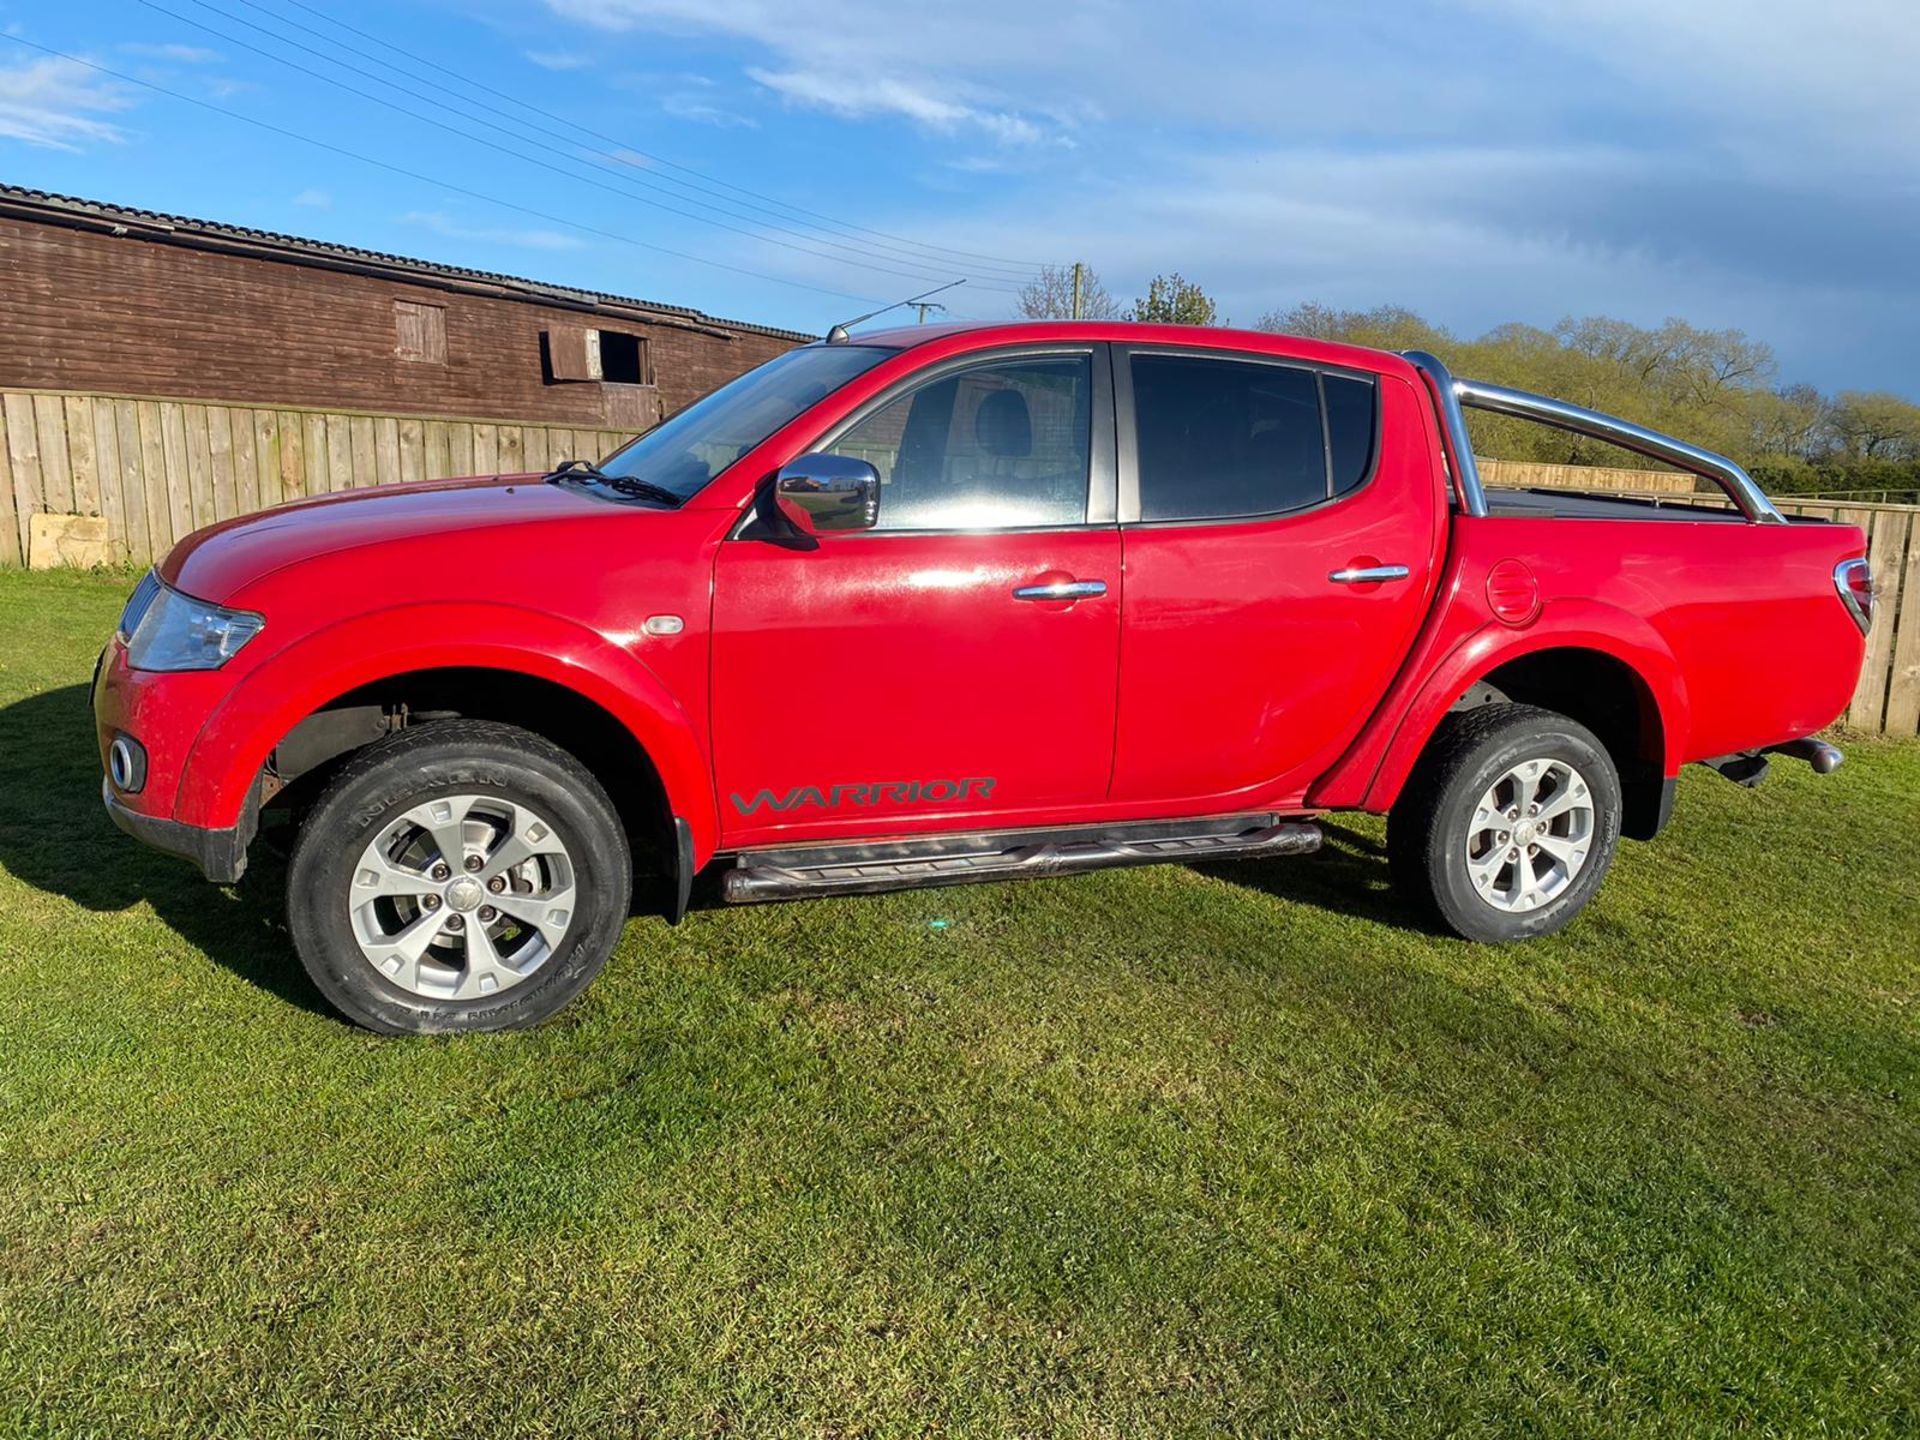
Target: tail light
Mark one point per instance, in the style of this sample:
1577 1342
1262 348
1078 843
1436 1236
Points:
1854 580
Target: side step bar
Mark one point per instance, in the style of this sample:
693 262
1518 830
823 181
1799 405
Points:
964 859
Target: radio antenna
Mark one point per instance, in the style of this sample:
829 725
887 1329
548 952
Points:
838 334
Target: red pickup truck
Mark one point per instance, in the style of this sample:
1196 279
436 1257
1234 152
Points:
953 603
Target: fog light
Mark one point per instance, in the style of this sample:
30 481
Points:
126 764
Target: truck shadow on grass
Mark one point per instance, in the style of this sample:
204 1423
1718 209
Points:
56 837
1346 876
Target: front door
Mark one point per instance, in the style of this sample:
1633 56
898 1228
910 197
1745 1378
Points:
921 675
1280 557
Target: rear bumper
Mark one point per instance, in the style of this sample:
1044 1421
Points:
220 854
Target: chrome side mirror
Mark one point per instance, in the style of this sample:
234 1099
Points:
822 494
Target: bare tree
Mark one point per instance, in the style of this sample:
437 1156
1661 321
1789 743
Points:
1049 296
1386 327
1877 426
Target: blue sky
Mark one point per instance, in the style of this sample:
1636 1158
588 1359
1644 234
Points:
1745 163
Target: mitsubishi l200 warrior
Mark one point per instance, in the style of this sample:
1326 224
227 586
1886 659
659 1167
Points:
957 603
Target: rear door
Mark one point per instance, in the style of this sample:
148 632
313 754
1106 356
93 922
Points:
1282 532
920 675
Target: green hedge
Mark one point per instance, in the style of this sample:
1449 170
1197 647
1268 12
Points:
1893 481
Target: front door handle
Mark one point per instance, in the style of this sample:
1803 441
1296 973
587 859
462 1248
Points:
1369 574
1061 590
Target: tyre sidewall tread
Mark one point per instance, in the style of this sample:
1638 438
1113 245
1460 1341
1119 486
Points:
1426 831
450 757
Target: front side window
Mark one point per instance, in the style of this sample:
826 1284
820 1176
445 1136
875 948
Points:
683 453
994 446
1227 439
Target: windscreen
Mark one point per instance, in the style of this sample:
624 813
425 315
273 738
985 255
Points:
684 452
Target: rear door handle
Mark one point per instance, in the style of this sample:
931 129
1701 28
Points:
1061 590
1369 574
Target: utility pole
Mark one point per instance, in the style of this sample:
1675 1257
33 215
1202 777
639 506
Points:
923 307
1078 268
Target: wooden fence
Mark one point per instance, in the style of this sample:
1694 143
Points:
156 470
1526 474
1888 697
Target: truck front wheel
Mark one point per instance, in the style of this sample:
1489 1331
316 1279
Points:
1507 824
462 875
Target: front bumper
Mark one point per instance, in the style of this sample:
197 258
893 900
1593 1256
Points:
220 854
163 714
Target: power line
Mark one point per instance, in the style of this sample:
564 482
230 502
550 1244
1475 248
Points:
913 252
438 124
433 180
866 255
1025 266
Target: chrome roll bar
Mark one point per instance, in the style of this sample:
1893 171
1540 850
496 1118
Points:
1499 400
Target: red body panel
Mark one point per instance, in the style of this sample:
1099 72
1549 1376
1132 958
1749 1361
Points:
890 674
1733 630
1244 672
902 667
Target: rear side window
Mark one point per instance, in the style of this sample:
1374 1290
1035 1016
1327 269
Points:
1221 439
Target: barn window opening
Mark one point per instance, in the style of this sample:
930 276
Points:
623 358
419 333
608 355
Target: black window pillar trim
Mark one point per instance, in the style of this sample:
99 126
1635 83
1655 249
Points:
1326 426
1126 435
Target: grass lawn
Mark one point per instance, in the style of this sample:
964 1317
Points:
1236 1150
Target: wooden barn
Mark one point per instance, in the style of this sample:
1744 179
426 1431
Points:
159 372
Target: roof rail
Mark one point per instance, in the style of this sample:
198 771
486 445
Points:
1498 399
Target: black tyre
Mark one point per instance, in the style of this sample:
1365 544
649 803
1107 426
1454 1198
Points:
463 875
1507 824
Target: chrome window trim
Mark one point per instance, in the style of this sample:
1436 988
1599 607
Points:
1453 394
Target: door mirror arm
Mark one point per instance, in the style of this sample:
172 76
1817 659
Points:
770 523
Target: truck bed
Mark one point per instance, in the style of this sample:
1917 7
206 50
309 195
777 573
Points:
1587 505
1582 505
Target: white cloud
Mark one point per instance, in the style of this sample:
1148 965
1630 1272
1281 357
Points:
446 226
55 103
562 60
314 199
1837 78
885 96
864 59
702 111
179 54
1753 163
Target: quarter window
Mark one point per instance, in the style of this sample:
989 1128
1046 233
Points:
1224 439
1351 409
998 446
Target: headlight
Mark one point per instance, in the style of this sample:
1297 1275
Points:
181 633
137 604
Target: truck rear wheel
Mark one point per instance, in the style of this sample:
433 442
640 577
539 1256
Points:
1507 824
463 875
